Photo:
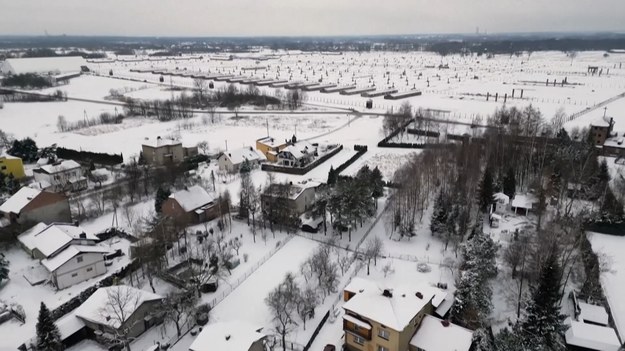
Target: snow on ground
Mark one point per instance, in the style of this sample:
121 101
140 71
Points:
610 249
87 345
18 290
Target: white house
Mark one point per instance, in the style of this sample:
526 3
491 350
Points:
297 155
62 176
43 65
44 241
230 336
75 264
231 161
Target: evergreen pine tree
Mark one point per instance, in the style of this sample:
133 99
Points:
486 190
332 176
543 328
4 268
48 336
161 195
438 223
611 208
377 182
509 183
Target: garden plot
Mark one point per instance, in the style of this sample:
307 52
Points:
18 290
97 88
610 248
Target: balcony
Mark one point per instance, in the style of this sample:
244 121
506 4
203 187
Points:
357 326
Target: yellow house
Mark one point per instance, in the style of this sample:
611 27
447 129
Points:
392 320
12 165
270 147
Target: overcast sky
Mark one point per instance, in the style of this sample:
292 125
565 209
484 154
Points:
305 17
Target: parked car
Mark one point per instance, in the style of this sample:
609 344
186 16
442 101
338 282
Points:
329 347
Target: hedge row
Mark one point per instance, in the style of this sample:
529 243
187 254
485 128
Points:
414 145
426 133
88 156
361 150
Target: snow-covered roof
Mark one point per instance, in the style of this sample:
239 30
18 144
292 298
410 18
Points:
239 156
395 312
524 201
192 198
445 305
69 324
593 313
98 309
58 167
356 321
43 65
495 216
9 157
359 285
501 197
590 336
158 142
300 149
19 200
53 263
601 121
433 335
270 141
50 238
227 336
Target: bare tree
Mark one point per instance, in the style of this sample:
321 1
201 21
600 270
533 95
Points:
203 147
373 249
122 301
307 301
178 308
200 87
282 307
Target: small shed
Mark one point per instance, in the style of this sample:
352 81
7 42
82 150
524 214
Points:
500 202
523 203
593 314
591 337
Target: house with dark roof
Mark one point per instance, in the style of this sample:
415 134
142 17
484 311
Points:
191 205
34 205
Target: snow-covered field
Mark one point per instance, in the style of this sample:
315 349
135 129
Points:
456 93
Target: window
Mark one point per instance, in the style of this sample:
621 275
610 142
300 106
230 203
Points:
359 340
384 334
79 259
89 269
382 348
74 275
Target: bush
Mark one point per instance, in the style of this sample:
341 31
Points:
88 157
202 313
27 80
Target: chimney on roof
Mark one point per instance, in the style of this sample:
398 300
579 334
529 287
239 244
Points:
82 235
445 323
158 137
419 295
108 318
227 337
387 293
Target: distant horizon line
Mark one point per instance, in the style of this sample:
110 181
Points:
537 33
